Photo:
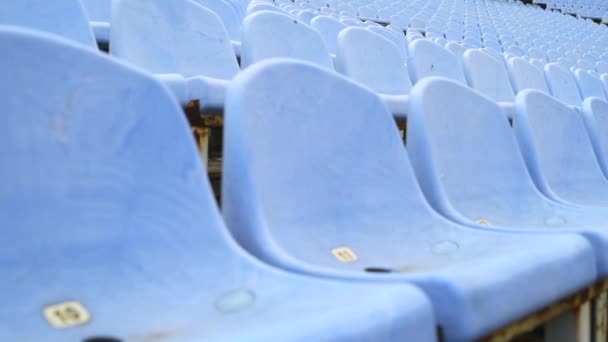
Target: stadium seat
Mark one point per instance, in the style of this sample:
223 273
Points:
487 74
227 14
329 28
526 76
195 61
112 236
557 150
588 84
562 84
426 59
66 18
375 62
471 169
595 113
98 12
303 191
268 34
398 38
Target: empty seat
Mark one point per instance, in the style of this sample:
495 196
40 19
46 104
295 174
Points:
375 62
99 15
196 60
227 15
471 169
487 74
558 151
562 84
398 38
329 29
304 192
66 18
268 34
119 237
595 113
429 59
588 84
526 76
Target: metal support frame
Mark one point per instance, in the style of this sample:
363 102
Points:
581 317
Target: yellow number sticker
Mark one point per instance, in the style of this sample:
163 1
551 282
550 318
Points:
66 314
344 254
483 222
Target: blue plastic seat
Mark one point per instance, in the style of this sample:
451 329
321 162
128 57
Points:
427 59
487 74
526 76
183 43
595 113
269 34
558 151
99 15
66 18
301 187
368 58
471 169
96 212
329 29
562 84
589 85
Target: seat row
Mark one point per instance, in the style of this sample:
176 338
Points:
198 66
476 224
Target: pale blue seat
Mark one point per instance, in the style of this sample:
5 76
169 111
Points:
471 169
183 43
595 113
426 59
487 74
372 60
557 150
66 18
98 12
105 202
299 181
269 34
329 29
588 84
562 84
524 75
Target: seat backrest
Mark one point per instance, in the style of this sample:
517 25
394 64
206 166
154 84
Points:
329 28
372 60
172 36
524 75
429 59
82 174
268 34
487 74
227 15
98 10
66 18
301 158
588 84
398 38
596 119
556 147
466 156
562 84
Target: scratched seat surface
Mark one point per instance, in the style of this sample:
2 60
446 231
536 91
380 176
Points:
471 169
105 203
558 151
301 185
183 43
66 18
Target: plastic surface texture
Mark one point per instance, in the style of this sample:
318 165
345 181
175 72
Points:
300 181
108 205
